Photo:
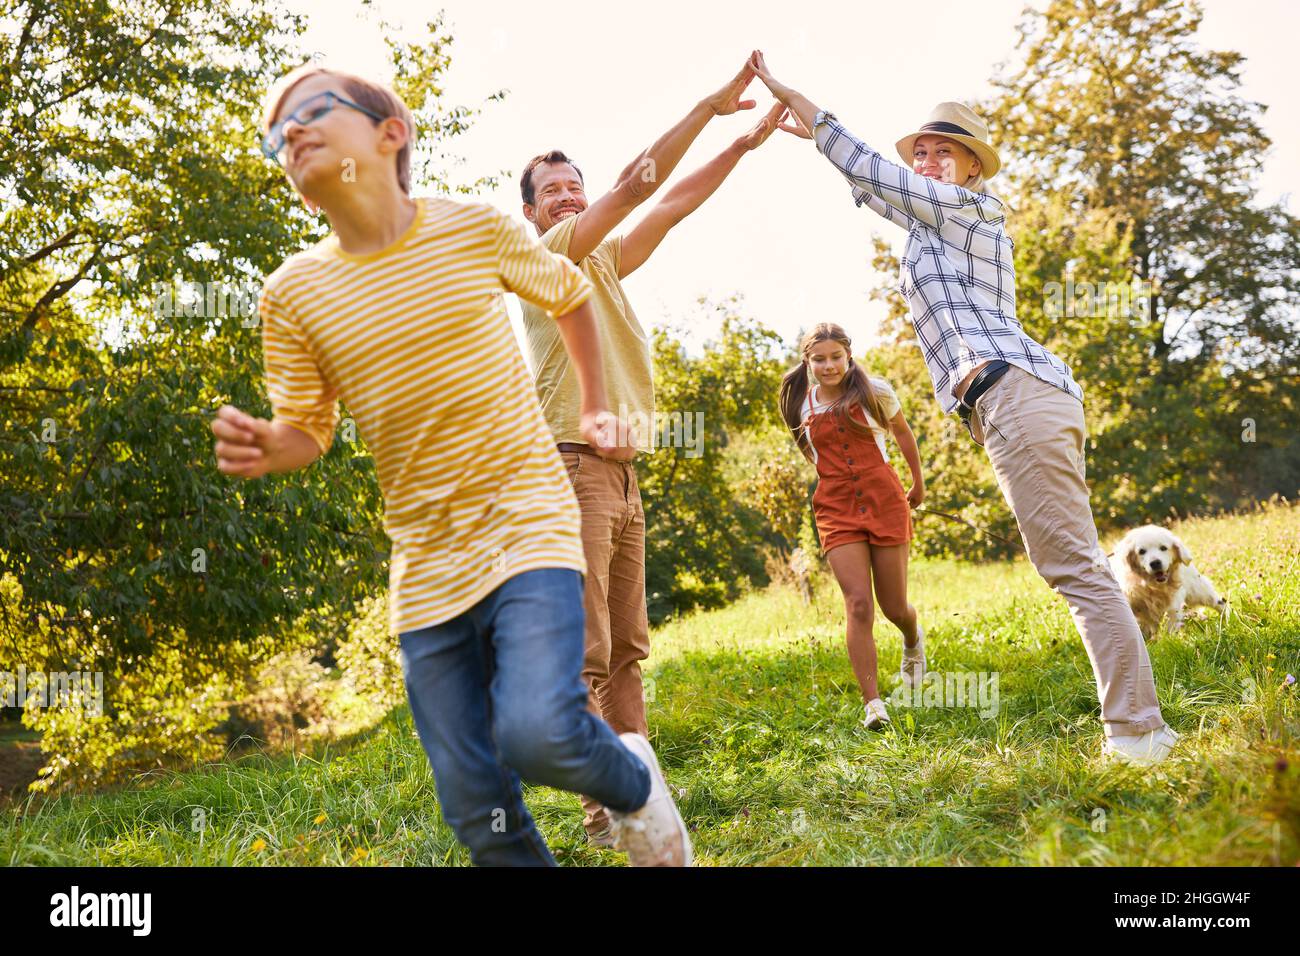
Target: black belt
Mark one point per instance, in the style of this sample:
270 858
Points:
984 380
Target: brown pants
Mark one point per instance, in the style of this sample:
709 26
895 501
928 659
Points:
1034 435
618 628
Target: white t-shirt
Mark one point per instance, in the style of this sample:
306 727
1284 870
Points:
886 393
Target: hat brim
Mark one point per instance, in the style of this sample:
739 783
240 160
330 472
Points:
990 163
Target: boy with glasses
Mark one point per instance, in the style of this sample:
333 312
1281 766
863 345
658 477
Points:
399 313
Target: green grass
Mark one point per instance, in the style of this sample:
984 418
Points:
755 716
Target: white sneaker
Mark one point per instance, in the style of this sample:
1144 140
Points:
877 717
655 835
912 669
1142 750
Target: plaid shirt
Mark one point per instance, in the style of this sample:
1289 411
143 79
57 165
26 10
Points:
957 273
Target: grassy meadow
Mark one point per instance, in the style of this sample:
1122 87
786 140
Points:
756 718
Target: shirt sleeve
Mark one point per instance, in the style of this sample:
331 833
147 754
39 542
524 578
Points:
526 267
888 396
879 206
300 394
614 250
917 197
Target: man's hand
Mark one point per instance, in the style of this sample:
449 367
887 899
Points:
727 100
243 443
600 431
757 136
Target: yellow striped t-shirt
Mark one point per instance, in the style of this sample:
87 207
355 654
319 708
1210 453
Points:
415 339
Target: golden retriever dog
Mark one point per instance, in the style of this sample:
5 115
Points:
1156 572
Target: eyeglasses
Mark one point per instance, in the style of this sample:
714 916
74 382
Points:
312 109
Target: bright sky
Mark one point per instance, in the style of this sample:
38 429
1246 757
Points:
601 81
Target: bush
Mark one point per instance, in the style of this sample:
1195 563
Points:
287 698
369 657
160 713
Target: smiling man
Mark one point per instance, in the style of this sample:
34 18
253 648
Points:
613 522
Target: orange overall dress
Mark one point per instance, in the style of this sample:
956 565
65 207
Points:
858 496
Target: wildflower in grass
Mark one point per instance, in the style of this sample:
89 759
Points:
258 845
320 819
1290 679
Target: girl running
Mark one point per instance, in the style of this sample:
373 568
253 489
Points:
837 415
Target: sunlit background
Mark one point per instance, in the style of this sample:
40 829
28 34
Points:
601 81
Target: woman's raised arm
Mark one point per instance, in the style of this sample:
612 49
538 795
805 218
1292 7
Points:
893 191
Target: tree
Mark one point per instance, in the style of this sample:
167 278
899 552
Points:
138 221
702 537
1131 164
1118 107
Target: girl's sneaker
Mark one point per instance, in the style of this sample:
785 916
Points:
877 717
654 835
912 669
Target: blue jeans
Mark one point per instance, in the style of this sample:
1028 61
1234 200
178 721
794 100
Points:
496 693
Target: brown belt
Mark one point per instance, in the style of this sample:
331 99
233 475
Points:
582 448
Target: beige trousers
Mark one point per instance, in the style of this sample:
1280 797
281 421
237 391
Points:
618 627
1034 435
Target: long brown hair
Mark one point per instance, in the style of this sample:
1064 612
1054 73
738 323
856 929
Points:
855 389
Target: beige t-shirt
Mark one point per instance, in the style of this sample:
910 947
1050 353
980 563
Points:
624 348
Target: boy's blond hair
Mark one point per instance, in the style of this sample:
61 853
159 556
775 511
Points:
376 97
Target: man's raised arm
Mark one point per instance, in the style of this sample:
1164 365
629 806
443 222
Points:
641 177
688 195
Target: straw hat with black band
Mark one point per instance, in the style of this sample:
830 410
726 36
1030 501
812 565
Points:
962 125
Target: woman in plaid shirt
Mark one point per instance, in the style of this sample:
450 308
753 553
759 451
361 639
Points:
1020 402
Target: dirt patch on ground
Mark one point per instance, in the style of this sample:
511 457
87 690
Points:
19 761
